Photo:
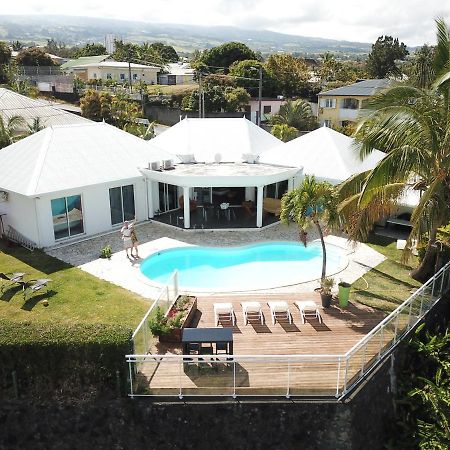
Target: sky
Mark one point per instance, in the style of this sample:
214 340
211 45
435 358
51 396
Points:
412 21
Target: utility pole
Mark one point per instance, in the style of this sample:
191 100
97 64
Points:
129 75
200 89
259 95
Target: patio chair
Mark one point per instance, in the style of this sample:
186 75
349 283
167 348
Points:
252 311
224 311
12 278
308 308
280 310
35 285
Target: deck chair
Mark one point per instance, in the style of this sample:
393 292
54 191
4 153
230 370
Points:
224 311
12 278
308 308
35 285
252 311
280 310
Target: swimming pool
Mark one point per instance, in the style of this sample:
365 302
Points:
251 267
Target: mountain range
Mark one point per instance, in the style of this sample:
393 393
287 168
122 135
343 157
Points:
185 38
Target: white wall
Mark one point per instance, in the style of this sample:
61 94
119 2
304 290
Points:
96 210
148 75
21 215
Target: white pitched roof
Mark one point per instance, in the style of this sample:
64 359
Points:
324 153
116 64
14 104
204 138
72 156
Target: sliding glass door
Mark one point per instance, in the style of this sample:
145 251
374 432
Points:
67 213
121 202
168 197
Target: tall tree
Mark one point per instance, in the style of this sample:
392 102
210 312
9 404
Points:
312 204
33 57
5 57
292 74
420 68
383 56
125 51
411 125
167 53
297 114
96 106
90 50
9 129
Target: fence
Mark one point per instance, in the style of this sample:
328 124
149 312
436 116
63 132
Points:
142 337
171 375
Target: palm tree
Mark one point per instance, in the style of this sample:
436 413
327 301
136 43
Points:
36 126
9 129
412 126
297 114
312 203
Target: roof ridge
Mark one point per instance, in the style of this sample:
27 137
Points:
37 171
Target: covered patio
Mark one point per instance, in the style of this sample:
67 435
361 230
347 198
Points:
219 195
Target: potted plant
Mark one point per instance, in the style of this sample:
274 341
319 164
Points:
158 324
326 284
344 293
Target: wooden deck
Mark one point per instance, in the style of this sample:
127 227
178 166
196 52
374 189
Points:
341 329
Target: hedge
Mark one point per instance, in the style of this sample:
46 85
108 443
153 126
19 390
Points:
45 360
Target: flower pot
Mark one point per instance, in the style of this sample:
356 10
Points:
344 293
326 300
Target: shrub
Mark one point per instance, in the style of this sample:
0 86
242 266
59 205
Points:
106 252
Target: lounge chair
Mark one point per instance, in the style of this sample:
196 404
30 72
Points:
12 278
224 311
36 285
308 308
252 311
279 310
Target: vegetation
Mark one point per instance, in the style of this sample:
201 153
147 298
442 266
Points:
411 126
90 50
33 57
335 73
296 114
5 57
311 204
155 53
9 130
284 132
381 62
96 105
106 252
419 69
75 297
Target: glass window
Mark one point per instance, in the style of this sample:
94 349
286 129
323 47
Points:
134 76
122 76
121 202
350 103
267 109
109 76
67 216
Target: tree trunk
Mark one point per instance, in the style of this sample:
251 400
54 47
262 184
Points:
425 270
324 252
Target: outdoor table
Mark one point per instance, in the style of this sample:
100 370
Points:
207 336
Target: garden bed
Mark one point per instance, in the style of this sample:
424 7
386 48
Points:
181 312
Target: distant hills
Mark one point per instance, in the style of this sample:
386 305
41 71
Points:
185 38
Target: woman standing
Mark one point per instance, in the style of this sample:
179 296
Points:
127 232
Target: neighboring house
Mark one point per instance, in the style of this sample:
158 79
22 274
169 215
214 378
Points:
118 71
269 107
67 182
177 73
344 105
14 104
67 66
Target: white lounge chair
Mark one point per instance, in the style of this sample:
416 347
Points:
279 310
36 285
224 311
252 311
308 308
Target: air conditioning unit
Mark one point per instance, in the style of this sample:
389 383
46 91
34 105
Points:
3 196
167 164
156 165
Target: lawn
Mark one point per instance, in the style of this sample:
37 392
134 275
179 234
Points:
389 284
157 89
74 296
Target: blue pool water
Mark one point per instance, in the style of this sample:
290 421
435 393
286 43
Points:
260 266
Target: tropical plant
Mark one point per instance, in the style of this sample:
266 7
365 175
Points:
33 57
106 252
411 125
383 56
96 105
36 125
297 114
420 68
284 132
312 204
9 129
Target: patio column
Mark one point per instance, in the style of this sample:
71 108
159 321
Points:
290 184
259 206
186 208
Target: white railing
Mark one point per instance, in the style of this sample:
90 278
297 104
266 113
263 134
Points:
142 337
171 375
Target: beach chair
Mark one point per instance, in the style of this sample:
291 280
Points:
34 286
279 310
252 311
224 312
12 278
308 308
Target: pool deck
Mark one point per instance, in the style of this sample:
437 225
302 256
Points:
155 237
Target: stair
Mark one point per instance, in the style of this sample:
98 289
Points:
14 236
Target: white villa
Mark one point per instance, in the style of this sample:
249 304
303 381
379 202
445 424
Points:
72 181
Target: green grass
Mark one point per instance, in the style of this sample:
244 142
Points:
389 284
171 90
74 296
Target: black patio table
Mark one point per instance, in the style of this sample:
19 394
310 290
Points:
207 336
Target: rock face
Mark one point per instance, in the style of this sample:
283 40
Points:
139 423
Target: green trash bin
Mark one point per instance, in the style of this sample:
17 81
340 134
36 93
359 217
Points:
344 293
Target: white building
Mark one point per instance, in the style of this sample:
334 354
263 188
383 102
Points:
177 73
